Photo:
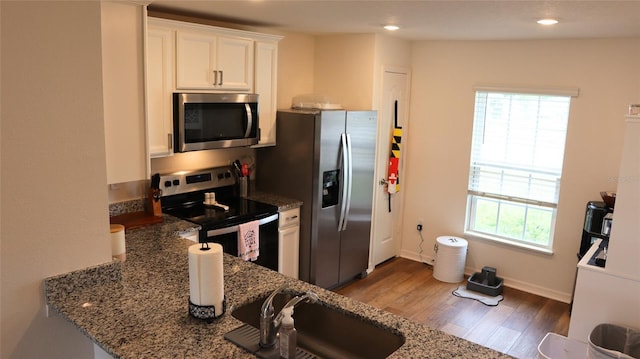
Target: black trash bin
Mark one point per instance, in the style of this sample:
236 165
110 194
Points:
614 341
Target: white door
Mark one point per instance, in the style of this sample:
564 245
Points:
395 88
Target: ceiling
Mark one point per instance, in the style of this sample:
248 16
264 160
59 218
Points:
426 19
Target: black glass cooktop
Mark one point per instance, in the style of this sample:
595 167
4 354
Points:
241 210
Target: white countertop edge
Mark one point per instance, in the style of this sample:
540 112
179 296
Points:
584 264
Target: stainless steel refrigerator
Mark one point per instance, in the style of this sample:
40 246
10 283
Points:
325 159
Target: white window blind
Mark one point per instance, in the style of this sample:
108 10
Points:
518 146
516 161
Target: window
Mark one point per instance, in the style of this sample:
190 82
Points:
516 165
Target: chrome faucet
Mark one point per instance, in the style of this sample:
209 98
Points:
269 322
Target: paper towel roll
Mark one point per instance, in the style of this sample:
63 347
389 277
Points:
118 247
206 278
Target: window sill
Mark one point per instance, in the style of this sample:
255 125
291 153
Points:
484 237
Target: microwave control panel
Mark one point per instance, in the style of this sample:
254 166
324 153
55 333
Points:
185 182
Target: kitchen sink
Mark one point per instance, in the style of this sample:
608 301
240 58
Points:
323 331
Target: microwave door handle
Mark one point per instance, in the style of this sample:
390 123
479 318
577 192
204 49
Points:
249 120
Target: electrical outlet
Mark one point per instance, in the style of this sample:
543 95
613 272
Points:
430 261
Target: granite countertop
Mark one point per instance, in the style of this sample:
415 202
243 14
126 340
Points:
139 308
283 203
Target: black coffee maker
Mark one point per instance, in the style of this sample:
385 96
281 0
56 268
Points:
596 225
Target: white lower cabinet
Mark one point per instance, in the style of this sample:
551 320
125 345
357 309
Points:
289 242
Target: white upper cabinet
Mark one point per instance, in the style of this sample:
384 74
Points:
208 61
160 65
235 64
188 57
265 85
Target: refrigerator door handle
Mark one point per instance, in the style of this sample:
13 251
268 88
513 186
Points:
349 184
345 181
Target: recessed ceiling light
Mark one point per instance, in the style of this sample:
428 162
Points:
547 21
391 27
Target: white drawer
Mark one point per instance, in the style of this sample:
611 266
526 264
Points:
289 217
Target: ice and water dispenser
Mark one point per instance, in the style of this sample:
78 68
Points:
330 188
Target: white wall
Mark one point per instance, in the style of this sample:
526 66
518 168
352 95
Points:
624 247
54 203
123 89
619 282
344 69
444 73
200 159
296 60
389 52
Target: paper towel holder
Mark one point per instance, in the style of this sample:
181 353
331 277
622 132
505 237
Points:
207 312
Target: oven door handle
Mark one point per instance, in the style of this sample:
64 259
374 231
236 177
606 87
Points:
232 229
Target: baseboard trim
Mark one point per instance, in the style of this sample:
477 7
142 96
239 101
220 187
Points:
508 282
417 257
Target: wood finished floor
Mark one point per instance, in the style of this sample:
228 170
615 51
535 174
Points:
515 327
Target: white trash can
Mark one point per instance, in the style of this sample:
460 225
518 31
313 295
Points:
451 255
613 341
556 346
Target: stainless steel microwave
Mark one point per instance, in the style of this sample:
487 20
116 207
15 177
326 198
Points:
203 121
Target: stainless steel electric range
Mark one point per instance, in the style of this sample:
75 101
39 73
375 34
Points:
209 198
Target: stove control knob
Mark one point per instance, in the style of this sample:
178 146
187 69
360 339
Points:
227 174
167 183
220 176
176 182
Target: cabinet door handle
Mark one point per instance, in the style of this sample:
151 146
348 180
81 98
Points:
170 138
221 77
